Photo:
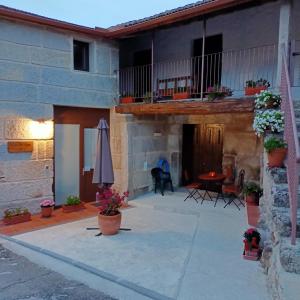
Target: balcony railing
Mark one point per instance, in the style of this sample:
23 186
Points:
194 77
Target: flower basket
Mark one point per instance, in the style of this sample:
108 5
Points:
276 157
252 250
253 254
73 208
17 219
127 100
253 214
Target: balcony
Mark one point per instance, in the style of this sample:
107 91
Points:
213 83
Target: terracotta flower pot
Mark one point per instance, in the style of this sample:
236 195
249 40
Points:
251 91
17 219
126 100
72 208
46 211
277 157
109 225
251 199
181 96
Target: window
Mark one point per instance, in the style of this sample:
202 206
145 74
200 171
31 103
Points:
81 56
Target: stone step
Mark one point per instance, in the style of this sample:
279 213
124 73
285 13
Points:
290 255
282 221
281 195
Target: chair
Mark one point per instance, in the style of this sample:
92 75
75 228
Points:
235 190
161 179
192 188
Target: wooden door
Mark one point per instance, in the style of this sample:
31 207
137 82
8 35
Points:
87 119
211 148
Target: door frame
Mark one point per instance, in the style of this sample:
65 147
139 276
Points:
82 116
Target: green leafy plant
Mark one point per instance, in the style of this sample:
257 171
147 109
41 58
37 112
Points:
12 212
73 200
251 188
259 83
215 92
273 143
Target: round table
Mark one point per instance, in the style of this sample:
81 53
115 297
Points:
212 184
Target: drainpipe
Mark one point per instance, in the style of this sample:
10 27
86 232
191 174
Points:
202 59
152 67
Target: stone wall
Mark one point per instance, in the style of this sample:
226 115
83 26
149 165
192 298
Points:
25 178
138 143
280 260
36 66
36 73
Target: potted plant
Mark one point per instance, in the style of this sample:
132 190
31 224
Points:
109 217
72 204
47 206
126 99
254 87
147 98
218 92
181 93
16 215
251 241
277 150
271 120
252 192
266 99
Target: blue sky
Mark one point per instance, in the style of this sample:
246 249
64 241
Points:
101 13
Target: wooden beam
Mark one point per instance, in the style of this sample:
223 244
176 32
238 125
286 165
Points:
243 105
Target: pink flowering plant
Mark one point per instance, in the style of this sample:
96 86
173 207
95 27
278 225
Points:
252 238
110 201
47 203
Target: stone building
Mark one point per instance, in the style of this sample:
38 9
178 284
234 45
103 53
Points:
58 79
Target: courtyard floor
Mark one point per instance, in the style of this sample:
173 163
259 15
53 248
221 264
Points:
175 250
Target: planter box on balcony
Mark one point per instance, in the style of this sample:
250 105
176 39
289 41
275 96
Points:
17 219
127 100
181 96
251 91
73 208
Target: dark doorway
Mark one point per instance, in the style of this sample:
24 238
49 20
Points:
202 150
142 60
212 61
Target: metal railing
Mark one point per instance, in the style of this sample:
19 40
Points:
194 77
291 136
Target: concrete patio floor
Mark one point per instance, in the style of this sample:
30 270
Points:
176 250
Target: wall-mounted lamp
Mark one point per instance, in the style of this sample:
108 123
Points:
41 129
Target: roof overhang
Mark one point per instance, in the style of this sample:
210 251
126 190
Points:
201 10
10 13
123 30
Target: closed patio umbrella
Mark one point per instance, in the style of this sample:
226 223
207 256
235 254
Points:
103 171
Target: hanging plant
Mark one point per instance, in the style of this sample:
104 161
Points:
266 99
268 120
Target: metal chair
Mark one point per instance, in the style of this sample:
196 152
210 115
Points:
234 191
192 188
161 179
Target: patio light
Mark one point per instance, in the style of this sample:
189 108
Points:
41 129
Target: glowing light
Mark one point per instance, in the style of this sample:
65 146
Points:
41 130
